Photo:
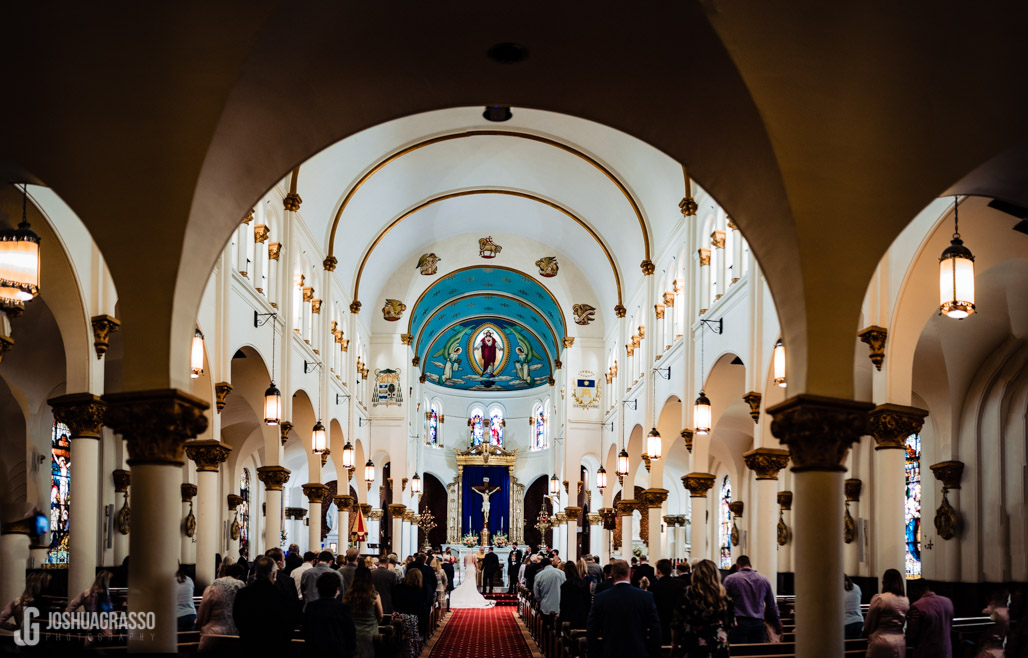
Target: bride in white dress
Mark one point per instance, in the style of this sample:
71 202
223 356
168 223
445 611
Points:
467 595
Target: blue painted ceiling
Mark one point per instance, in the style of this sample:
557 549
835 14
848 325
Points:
450 320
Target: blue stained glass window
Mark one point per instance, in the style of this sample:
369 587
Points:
60 493
475 423
496 427
912 511
433 425
540 429
725 528
244 513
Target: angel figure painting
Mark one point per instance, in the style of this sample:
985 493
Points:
451 353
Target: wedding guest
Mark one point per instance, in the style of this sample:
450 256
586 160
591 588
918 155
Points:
214 617
929 622
328 627
409 605
853 619
442 583
751 593
547 587
575 598
366 608
885 618
667 592
700 624
264 615
625 618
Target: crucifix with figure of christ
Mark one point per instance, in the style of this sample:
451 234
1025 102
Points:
485 491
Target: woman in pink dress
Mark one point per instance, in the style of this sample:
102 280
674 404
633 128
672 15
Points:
885 618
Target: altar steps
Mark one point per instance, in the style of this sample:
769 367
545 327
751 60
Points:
503 599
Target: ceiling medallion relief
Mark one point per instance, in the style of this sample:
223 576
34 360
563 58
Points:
393 310
487 248
584 313
428 264
548 266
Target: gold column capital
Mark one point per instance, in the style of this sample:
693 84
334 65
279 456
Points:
330 263
573 513
737 507
343 502
874 337
891 424
122 480
766 462
593 519
234 501
315 492
397 509
648 267
704 255
273 477
283 430
274 250
292 202
852 488
753 399
188 490
221 391
785 500
819 430
156 424
209 454
626 507
698 484
83 413
949 473
653 498
103 327
620 311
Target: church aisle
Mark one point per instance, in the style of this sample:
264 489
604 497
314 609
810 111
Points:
494 632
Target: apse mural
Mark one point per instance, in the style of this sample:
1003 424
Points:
488 354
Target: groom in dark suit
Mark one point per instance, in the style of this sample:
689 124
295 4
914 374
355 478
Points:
629 610
490 565
513 566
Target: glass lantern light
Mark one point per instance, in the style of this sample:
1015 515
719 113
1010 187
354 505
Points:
778 359
415 484
272 405
19 260
348 456
622 465
196 355
319 439
956 276
701 415
369 472
653 444
601 478
554 485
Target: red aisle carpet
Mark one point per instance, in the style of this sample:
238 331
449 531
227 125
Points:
491 632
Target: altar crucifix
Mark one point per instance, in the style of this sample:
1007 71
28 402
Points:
485 491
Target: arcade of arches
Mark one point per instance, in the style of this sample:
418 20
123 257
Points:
457 298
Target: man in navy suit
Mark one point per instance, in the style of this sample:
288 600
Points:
625 617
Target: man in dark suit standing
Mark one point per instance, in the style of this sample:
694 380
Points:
490 565
667 592
428 579
513 565
625 617
643 570
264 616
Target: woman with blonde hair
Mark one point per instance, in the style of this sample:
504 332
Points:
441 582
704 616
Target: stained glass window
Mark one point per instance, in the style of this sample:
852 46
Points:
433 425
496 427
539 441
725 528
60 493
244 513
475 424
912 513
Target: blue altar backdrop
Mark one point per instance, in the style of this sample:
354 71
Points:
499 502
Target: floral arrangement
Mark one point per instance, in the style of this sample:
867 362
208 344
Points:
637 551
283 537
470 540
500 539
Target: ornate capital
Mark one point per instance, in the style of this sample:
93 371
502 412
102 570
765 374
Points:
355 307
315 492
853 487
785 500
609 516
891 424
704 257
875 337
221 391
766 462
344 502
669 299
188 491
375 515
234 501
292 202
573 513
818 430
688 206
717 239
83 413
620 311
408 516
671 520
658 311
753 399
261 233
155 424
103 327
273 477
366 508
698 484
406 339
283 430
249 216
737 507
397 509
274 250
560 518
626 507
593 519
209 455
687 436
654 498
330 264
949 473
308 293
648 267
122 480
315 306
569 341
295 513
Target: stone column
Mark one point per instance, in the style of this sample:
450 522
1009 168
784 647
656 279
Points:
413 547
784 532
343 504
699 484
680 538
294 517
766 464
14 551
408 530
83 413
233 501
609 516
736 252
316 493
625 508
155 425
208 455
274 478
818 432
188 554
671 521
122 482
850 535
653 499
595 522
396 511
890 425
717 241
375 529
705 300
37 555
573 514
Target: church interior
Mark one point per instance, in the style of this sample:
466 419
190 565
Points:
708 280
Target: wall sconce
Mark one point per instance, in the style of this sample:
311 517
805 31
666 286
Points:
632 404
664 372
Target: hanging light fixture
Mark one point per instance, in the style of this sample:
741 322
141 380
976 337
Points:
348 456
701 410
554 485
196 355
653 447
415 484
19 260
272 396
601 479
622 466
369 472
956 275
319 439
778 359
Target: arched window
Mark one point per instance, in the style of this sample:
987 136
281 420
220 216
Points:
725 527
60 489
912 515
496 427
539 428
433 425
475 426
244 513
